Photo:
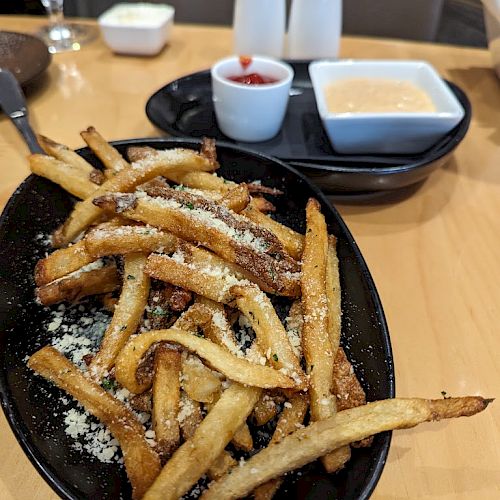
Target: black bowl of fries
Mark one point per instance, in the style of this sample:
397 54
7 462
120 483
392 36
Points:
192 332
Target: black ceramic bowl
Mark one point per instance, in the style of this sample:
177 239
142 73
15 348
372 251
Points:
33 406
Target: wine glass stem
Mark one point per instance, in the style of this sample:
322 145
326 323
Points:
56 12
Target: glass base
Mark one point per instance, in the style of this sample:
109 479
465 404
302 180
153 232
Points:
67 36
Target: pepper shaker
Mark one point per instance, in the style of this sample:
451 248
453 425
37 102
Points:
314 29
259 27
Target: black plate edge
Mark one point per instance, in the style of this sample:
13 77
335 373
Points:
461 129
14 420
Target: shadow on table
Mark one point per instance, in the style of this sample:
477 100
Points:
396 212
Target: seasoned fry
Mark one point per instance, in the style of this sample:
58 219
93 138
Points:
69 177
237 369
232 237
221 465
196 455
112 160
237 198
198 381
85 212
305 445
166 398
67 155
333 294
127 315
93 279
270 333
316 342
208 281
290 420
263 205
141 462
292 241
191 418
346 385
265 409
122 240
62 262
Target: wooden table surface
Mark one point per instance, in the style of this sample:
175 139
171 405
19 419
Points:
433 251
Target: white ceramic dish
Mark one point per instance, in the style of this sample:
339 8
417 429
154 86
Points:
386 133
250 113
137 29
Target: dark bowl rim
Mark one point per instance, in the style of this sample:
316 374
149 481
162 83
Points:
31 451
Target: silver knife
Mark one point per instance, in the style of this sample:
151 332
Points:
13 103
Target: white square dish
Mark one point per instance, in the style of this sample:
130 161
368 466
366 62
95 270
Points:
388 132
137 29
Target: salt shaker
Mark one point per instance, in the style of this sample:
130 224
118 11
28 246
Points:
314 29
259 27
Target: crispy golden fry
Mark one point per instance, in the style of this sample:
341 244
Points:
127 315
127 239
208 281
67 155
242 438
263 205
290 420
112 160
199 382
203 181
270 334
191 418
85 212
346 385
265 409
229 235
345 427
196 455
237 198
62 262
79 284
69 177
218 329
141 462
316 342
292 241
333 294
221 465
166 398
237 369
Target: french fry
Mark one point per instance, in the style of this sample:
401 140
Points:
291 418
79 284
237 369
67 155
208 281
100 242
346 385
141 462
85 212
221 465
232 237
198 381
237 198
305 445
242 438
112 160
69 177
196 455
292 241
166 398
265 409
62 262
333 295
263 205
127 315
316 342
191 418
270 334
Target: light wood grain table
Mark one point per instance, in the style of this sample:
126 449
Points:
433 252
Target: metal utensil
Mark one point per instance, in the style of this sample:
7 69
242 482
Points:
13 103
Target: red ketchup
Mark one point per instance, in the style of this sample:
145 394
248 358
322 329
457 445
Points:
251 78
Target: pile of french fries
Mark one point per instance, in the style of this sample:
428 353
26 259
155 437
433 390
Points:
181 255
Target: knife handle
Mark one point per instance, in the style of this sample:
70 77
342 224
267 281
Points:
20 120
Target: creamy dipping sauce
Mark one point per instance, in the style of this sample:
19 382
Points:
376 95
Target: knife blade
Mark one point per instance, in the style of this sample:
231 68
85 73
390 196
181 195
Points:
13 103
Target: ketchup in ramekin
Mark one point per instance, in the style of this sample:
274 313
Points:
250 78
